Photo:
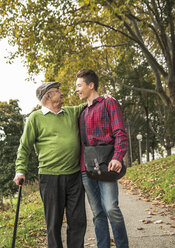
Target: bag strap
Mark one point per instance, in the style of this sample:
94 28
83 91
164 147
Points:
82 128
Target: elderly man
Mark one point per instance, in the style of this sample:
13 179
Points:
53 131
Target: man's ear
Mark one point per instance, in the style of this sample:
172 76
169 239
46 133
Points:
91 85
47 95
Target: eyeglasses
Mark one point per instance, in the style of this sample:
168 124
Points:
53 91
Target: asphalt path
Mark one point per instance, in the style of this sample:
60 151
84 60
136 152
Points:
148 225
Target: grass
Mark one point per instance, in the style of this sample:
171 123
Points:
155 178
31 224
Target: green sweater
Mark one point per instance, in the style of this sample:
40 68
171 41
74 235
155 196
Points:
55 138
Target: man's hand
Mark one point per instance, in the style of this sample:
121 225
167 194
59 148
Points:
18 178
115 165
108 96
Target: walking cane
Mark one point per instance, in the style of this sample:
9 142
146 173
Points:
17 211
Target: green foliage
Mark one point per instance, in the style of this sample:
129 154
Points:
128 43
48 33
156 178
11 127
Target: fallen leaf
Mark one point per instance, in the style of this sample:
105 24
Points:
140 228
6 216
150 213
163 214
158 222
11 224
112 243
146 221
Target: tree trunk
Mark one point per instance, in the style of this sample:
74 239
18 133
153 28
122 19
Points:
1 201
168 149
147 131
153 155
126 160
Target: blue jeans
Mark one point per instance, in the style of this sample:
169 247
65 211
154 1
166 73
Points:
103 199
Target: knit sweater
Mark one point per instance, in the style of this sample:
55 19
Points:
55 138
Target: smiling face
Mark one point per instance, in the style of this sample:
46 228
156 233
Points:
84 90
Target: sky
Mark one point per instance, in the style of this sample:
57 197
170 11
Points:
13 83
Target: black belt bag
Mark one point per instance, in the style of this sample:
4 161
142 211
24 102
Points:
97 158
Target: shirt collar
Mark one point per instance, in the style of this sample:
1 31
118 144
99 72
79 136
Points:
46 110
98 99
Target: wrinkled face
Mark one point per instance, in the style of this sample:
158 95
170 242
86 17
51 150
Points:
56 96
84 90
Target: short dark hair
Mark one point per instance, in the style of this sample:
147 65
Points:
89 76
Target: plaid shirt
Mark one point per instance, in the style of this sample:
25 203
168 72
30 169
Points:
104 125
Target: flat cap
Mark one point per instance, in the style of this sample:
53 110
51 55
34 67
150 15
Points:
41 90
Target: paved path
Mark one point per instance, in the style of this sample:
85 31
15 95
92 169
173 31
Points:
147 225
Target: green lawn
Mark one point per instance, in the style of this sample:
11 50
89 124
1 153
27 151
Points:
156 178
31 223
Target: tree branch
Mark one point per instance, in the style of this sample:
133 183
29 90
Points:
109 27
136 37
164 42
113 46
117 81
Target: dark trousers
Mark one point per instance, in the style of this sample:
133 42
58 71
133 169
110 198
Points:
59 193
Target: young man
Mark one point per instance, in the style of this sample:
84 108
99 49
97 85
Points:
103 125
53 131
